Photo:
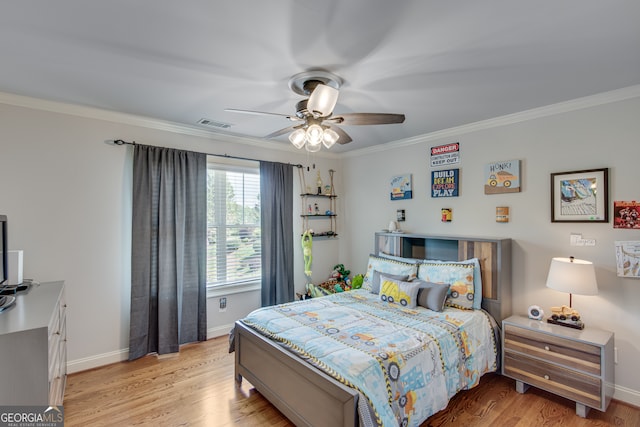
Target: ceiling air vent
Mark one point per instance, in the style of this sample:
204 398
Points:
213 123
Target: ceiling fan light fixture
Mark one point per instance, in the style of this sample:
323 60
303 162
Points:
329 137
313 148
322 101
314 135
298 137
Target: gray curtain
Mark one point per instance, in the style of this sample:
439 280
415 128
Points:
276 194
168 253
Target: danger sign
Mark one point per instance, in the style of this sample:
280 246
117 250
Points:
447 154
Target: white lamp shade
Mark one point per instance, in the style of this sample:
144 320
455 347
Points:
313 148
573 276
322 100
297 138
329 138
314 135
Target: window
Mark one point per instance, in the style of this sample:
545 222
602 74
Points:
233 223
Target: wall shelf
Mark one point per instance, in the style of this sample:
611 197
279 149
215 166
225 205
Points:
316 207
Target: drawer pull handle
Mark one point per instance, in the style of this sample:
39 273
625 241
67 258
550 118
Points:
546 347
546 377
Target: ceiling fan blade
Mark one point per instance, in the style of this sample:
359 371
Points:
352 119
261 113
343 137
322 100
283 131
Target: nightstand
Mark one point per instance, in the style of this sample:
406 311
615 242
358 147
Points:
572 363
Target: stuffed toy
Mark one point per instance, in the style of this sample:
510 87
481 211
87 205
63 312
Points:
356 282
307 242
340 273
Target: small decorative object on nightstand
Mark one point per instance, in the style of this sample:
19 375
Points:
574 276
534 312
575 364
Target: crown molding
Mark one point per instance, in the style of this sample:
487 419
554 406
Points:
142 121
532 114
157 124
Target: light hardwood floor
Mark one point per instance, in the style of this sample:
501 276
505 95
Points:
197 388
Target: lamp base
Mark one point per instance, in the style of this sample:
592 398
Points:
575 324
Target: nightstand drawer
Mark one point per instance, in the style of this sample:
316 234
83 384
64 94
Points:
565 382
572 354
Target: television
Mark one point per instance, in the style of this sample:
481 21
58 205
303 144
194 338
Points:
4 253
5 301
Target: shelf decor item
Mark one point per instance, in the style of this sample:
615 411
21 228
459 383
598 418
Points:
573 276
319 183
580 196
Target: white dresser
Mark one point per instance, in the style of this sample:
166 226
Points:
33 347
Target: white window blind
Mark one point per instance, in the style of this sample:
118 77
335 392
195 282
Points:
233 223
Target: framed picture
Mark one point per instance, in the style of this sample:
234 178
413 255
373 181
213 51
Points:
502 177
445 183
626 214
580 196
400 187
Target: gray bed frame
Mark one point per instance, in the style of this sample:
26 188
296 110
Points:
310 397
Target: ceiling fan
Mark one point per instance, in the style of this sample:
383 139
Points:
316 125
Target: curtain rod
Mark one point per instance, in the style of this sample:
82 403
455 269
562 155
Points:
122 142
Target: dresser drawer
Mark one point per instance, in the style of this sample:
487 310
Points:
576 355
557 379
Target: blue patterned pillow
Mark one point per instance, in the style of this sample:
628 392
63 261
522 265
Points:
459 276
477 278
399 292
388 266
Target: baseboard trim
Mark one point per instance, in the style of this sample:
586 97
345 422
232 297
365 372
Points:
219 331
99 360
627 395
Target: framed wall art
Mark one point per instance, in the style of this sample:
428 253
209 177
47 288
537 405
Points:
502 177
580 196
445 183
400 187
626 214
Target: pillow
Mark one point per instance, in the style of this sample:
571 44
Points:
375 282
432 295
458 275
387 266
396 291
477 278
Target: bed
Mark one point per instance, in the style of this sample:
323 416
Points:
369 357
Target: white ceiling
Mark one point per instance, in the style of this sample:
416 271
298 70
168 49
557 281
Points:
441 63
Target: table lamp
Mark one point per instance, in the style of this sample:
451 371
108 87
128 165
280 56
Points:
574 276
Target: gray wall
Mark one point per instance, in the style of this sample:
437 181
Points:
68 198
67 195
593 137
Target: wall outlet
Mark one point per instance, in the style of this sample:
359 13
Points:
575 240
615 355
223 304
